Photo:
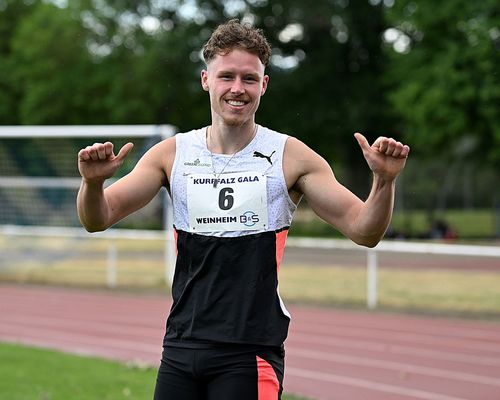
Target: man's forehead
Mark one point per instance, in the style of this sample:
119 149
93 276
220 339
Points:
237 59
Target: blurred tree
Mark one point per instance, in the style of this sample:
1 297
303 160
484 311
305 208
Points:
147 53
11 13
325 77
53 69
139 61
443 76
433 80
325 72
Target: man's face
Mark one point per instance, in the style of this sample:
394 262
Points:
235 82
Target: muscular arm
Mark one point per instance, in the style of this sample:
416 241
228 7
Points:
364 222
99 207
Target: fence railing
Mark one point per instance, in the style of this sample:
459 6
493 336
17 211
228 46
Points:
372 262
372 254
110 236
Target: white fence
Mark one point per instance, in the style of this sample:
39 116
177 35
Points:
314 243
82 131
394 247
109 236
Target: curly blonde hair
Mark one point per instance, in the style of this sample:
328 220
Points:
237 35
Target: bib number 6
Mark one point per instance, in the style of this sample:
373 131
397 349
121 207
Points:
226 200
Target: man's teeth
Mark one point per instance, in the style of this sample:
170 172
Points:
236 103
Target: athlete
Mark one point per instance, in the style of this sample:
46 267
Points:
235 186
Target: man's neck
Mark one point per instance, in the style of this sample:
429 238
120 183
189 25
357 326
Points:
226 139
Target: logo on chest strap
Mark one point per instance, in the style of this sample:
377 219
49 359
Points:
260 155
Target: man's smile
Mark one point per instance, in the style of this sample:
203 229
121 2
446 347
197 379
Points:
236 103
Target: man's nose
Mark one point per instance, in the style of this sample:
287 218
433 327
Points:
238 86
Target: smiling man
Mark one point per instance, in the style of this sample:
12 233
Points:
235 186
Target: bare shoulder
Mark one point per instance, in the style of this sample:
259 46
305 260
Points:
159 157
299 162
165 148
161 152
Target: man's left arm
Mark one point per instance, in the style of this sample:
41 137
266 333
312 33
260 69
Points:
364 222
386 158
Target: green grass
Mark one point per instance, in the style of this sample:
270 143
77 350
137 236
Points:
474 294
35 374
468 224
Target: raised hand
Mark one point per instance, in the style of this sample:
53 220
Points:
98 162
386 157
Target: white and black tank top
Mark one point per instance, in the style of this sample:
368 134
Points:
231 218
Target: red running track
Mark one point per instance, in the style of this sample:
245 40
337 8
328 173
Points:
331 354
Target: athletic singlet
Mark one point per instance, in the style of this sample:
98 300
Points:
230 239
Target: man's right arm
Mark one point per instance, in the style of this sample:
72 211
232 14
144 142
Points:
99 207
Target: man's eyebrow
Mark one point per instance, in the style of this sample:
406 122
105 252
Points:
253 74
232 72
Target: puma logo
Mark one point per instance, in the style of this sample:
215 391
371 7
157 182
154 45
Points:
260 155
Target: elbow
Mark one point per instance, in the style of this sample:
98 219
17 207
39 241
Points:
94 229
370 244
368 241
93 225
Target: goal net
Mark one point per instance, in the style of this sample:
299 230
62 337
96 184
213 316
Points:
39 177
41 238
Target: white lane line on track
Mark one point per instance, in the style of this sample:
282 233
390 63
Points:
395 366
402 338
446 356
366 384
18 333
404 324
95 326
396 349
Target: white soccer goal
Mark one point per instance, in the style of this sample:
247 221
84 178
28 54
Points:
39 178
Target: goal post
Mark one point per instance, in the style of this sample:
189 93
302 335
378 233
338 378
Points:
85 131
38 168
39 178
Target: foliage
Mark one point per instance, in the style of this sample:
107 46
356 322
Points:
476 224
334 90
445 87
103 65
51 67
333 71
11 13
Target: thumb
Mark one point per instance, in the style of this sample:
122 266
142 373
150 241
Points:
363 143
124 151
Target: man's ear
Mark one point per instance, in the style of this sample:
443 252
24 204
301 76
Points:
265 82
204 80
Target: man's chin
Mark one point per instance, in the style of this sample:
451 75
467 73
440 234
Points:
234 122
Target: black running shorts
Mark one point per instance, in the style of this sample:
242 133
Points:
220 373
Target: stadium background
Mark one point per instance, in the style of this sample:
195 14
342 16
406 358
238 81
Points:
425 74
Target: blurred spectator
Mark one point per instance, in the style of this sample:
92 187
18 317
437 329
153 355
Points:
396 234
440 229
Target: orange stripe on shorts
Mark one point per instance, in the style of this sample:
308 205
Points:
268 385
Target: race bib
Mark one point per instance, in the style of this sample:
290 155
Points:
237 203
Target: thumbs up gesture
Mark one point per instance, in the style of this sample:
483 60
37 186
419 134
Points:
98 162
386 157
